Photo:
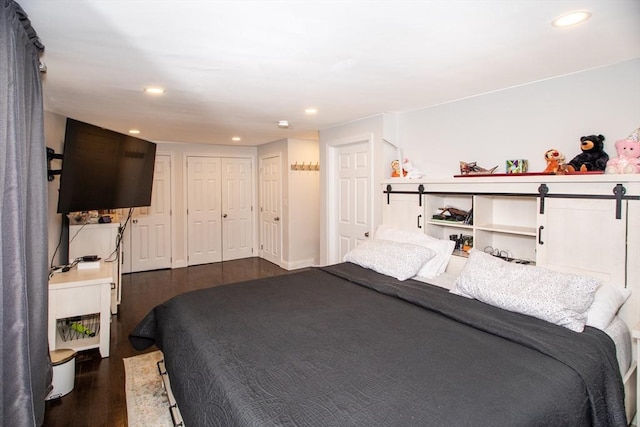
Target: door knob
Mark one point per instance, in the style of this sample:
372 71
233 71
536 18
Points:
224 215
366 234
276 218
135 221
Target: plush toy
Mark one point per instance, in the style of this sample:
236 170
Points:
628 160
411 171
396 169
592 158
555 162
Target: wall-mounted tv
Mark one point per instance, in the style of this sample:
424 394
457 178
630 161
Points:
103 169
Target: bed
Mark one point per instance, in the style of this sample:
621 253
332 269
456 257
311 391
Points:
349 345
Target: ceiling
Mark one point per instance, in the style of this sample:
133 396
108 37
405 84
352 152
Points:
235 68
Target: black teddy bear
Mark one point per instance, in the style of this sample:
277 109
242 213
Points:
592 158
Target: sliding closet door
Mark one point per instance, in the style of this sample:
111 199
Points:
204 210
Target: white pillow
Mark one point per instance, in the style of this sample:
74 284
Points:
395 259
606 304
559 298
442 248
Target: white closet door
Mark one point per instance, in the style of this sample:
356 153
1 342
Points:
236 208
151 226
270 209
354 195
204 210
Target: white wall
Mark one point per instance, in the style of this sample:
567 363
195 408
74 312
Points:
525 121
303 205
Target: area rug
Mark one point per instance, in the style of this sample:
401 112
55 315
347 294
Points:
147 403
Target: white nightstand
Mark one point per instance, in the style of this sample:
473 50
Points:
81 293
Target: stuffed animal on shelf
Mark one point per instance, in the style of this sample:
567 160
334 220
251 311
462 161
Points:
411 171
396 169
555 162
592 158
628 160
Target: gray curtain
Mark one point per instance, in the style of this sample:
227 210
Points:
25 365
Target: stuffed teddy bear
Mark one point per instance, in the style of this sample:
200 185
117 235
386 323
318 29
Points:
592 158
628 160
555 162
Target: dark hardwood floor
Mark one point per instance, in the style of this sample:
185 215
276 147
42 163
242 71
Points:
98 397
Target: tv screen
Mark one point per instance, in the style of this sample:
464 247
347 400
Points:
103 169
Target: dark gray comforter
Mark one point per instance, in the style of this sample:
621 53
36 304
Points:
345 346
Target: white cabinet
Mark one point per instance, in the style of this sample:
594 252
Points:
569 223
79 315
101 240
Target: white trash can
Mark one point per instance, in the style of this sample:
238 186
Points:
64 372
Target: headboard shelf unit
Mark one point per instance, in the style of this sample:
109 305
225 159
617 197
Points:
587 224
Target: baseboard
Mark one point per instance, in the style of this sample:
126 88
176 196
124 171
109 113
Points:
295 265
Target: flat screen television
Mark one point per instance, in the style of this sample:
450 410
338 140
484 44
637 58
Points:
103 169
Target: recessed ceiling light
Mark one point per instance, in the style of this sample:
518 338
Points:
311 110
134 131
236 138
283 124
571 18
154 90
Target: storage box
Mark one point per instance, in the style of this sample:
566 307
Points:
517 166
64 372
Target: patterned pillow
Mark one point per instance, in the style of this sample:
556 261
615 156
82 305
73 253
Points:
559 298
442 248
395 259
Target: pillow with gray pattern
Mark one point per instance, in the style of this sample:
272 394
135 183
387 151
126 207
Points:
556 297
395 259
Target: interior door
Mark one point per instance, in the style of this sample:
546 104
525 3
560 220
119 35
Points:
237 196
204 214
353 195
151 226
270 202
